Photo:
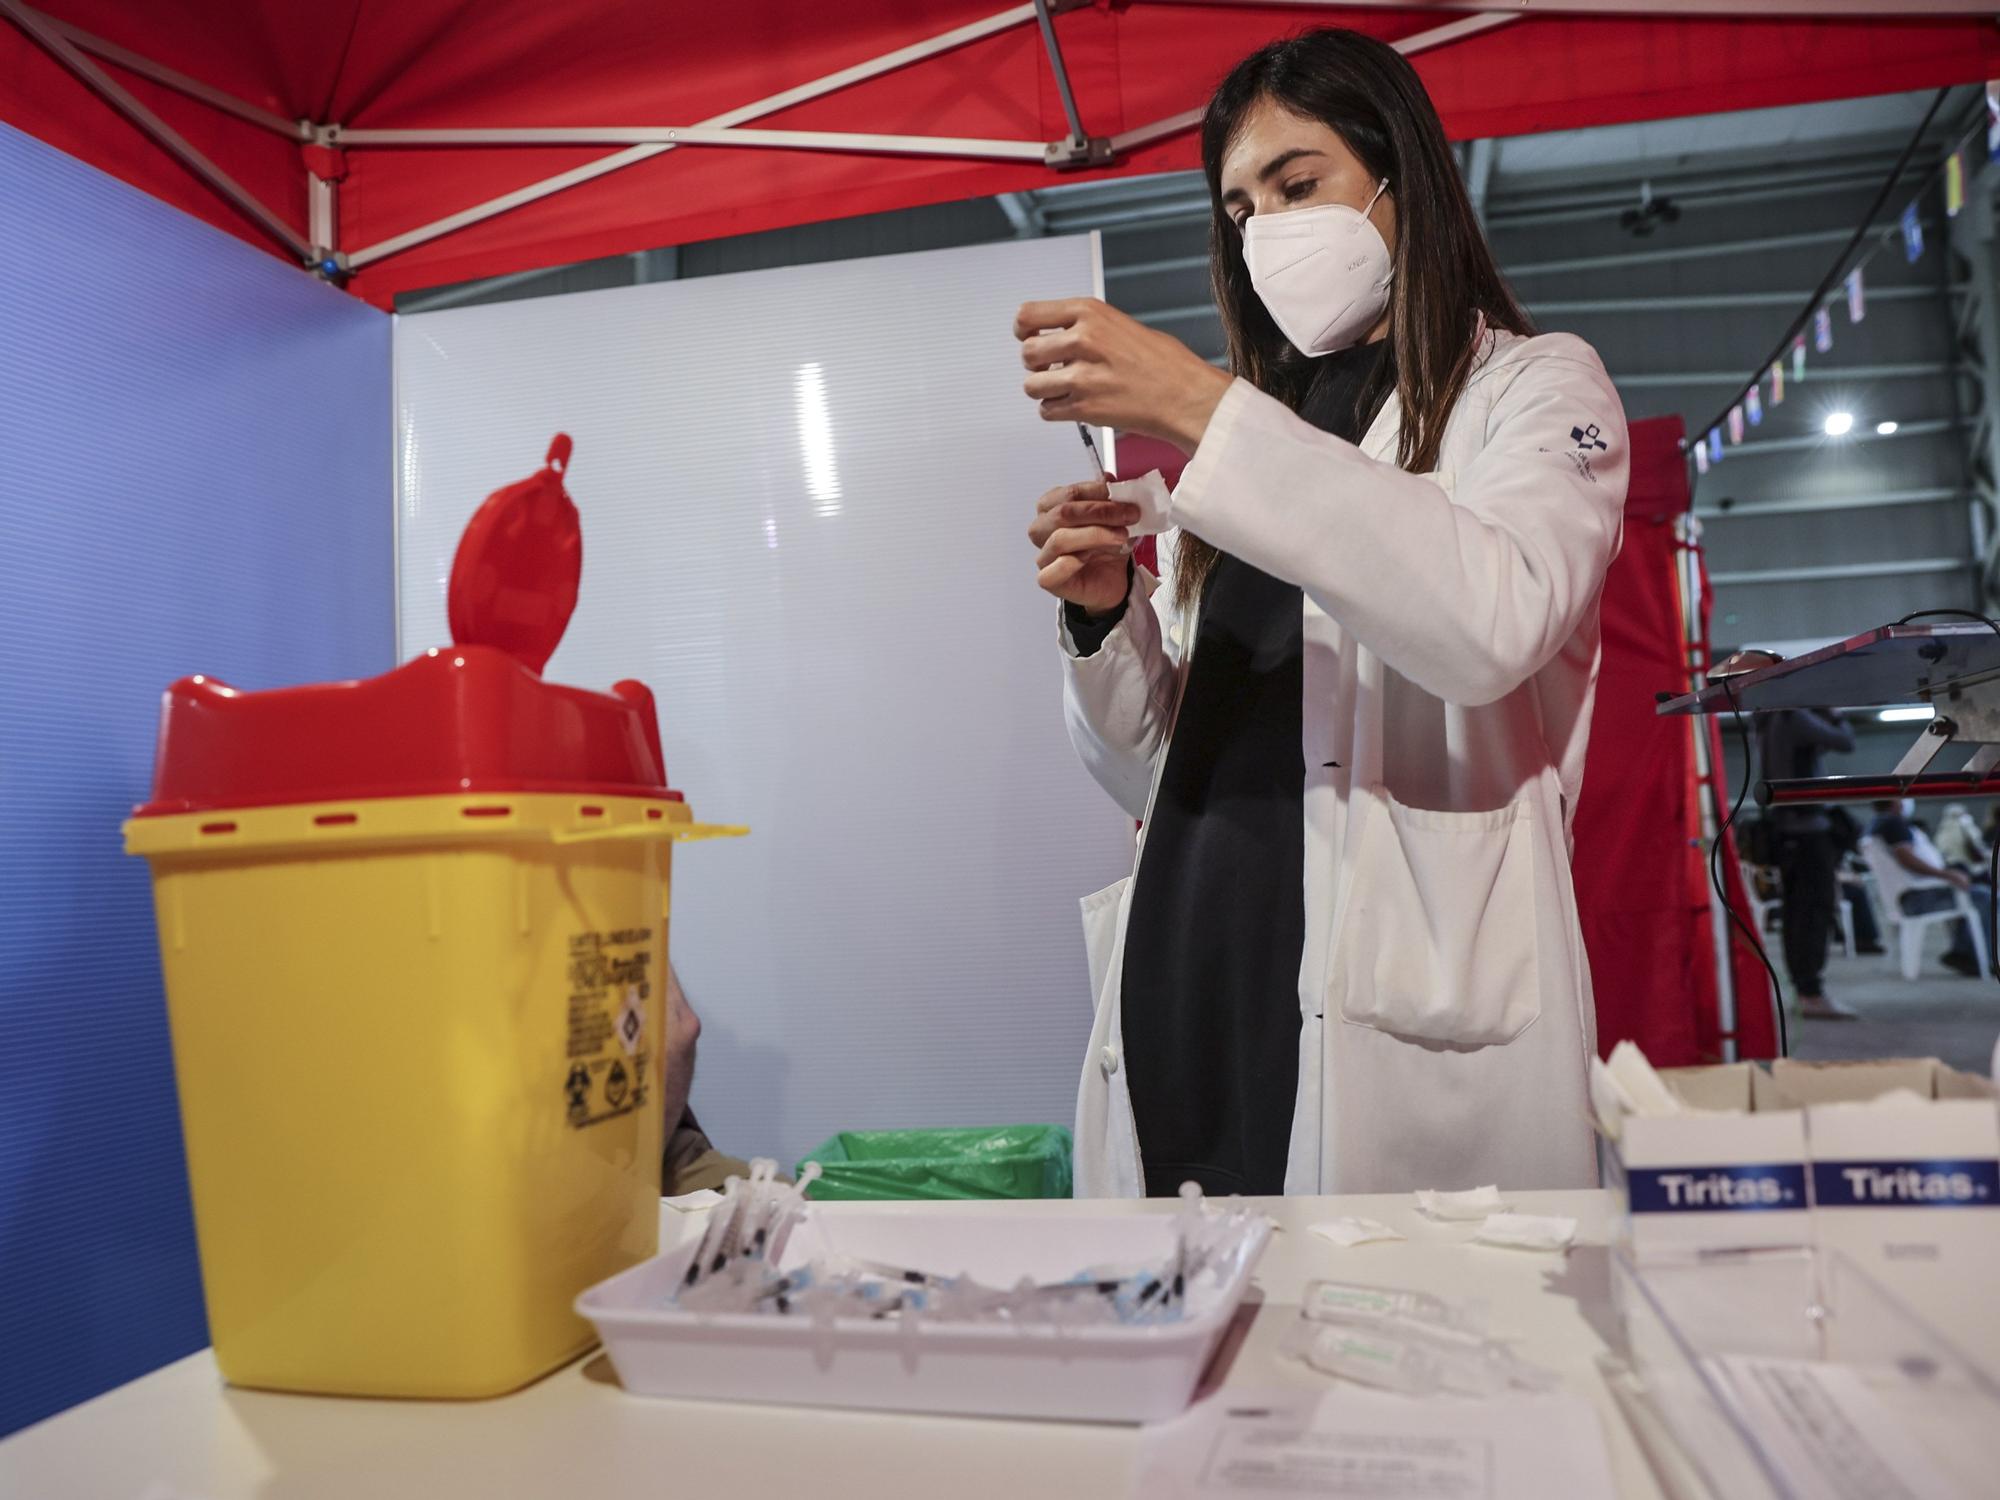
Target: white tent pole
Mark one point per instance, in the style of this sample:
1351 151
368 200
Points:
323 205
1409 46
696 135
889 62
1056 65
65 52
1687 531
194 88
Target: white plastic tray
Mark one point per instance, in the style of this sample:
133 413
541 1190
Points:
1110 1374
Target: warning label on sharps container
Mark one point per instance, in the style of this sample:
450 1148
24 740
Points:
610 982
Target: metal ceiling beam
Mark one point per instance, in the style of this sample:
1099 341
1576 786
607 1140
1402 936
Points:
1903 430
472 291
1480 155
1558 208
1024 214
1157 267
1115 221
1708 301
1831 571
1188 200
1820 376
1667 254
1796 505
66 52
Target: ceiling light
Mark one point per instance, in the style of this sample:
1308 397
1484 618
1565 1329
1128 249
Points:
1839 423
1906 715
1883 429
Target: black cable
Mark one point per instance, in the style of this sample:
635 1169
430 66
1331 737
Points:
1722 895
1835 271
1993 855
1993 908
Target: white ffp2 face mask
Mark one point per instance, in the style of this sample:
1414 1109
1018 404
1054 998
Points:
1322 273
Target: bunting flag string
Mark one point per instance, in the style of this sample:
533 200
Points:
1748 403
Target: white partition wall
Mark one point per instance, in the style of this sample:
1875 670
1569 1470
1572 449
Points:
805 495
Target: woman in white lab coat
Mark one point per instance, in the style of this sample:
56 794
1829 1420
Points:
1351 712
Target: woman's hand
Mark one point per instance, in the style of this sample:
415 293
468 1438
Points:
1094 364
1083 557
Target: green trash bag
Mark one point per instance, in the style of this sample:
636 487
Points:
1011 1161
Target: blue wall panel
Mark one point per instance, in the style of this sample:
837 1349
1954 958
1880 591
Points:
195 476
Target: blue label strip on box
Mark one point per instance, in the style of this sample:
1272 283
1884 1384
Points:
1906 1184
1707 1190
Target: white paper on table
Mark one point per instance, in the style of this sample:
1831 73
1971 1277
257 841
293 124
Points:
1351 1229
1149 493
1527 1231
1473 1203
1830 1433
1362 1445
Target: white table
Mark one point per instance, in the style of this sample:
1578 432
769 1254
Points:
181 1434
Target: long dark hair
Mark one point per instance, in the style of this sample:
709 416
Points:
1444 273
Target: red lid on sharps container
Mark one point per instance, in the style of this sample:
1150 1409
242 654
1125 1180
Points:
476 717
513 583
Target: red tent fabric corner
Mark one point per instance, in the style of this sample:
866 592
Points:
516 63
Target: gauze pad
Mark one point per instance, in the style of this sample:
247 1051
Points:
1149 493
1527 1232
1474 1203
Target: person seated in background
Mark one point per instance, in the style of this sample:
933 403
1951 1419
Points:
1960 841
1854 881
1912 848
690 1161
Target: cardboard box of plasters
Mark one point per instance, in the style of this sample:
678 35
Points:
1894 1163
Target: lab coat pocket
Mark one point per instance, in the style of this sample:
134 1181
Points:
1100 934
1438 939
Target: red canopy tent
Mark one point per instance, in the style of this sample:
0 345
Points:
408 144
602 126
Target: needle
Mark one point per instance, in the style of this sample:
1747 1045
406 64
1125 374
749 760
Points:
1091 443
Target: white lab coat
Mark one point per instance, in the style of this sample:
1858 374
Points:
1451 656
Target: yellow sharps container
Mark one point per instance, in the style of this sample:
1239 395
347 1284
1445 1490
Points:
415 940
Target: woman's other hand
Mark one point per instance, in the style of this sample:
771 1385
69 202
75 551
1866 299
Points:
1092 363
1083 556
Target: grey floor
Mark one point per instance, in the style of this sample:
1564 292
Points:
1939 1015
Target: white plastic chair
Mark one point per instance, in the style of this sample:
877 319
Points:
1891 882
1769 907
1845 908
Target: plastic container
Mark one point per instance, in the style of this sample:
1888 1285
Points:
1012 1161
1113 1374
1709 1335
415 941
